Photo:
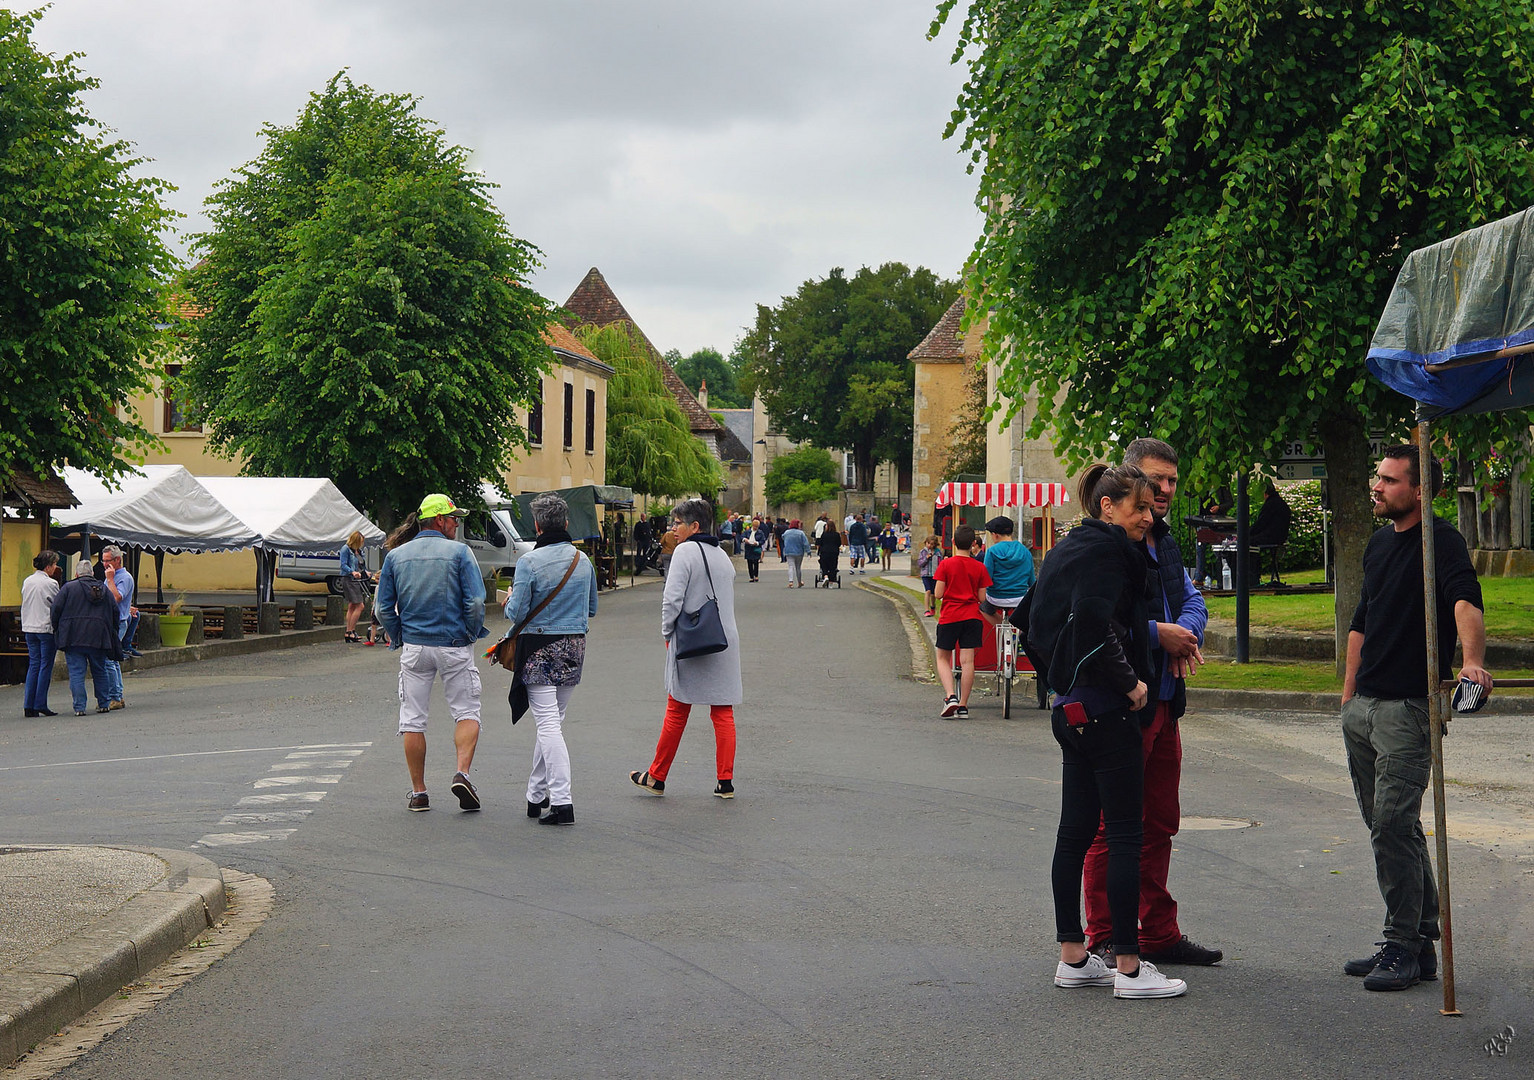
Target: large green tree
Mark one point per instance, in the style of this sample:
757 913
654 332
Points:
807 474
1195 212
830 361
709 366
82 269
649 446
364 312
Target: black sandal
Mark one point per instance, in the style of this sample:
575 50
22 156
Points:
648 782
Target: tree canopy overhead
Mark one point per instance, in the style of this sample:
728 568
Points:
364 312
805 475
82 269
649 445
830 361
1195 212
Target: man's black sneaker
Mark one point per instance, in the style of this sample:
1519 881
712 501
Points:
534 809
725 789
417 802
468 798
1397 969
1427 962
564 814
961 713
1185 952
1105 950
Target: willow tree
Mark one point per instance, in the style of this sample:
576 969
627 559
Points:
649 446
1194 212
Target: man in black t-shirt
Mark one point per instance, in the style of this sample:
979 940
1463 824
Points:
1385 707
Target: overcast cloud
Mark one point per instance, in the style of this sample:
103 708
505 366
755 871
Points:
707 156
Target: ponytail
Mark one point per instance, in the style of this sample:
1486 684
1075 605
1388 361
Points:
1109 482
405 533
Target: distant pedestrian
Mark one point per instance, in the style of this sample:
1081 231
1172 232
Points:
700 571
857 544
795 547
353 583
431 600
84 620
120 584
555 592
927 558
752 542
829 551
961 584
888 542
667 549
37 595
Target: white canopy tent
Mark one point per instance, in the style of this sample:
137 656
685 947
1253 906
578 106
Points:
291 516
161 507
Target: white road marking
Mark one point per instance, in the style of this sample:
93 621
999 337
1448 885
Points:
330 747
225 839
288 781
281 797
317 763
329 753
262 817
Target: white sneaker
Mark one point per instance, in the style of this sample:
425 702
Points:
1095 973
1149 983
950 705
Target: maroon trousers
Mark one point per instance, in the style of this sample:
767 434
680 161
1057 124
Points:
1162 746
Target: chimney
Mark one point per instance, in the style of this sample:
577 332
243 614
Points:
703 394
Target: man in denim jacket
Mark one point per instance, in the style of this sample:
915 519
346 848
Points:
431 601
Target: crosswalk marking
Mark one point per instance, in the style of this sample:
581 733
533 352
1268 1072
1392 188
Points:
288 781
294 773
226 839
281 797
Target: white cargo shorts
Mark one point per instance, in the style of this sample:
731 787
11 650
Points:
418 665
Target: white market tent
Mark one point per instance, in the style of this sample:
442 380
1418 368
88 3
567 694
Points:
291 516
160 507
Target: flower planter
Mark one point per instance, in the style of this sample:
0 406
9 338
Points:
173 630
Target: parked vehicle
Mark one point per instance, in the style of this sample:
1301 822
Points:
314 569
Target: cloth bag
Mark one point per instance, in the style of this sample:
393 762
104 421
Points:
700 632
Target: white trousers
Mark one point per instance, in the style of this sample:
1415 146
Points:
551 757
419 665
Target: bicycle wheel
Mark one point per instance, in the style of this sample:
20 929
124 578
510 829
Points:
1006 699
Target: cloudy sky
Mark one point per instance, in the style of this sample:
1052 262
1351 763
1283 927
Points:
706 155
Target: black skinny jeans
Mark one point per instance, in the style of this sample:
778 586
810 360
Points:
1102 778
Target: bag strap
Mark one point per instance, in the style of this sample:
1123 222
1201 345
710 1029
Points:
707 571
533 614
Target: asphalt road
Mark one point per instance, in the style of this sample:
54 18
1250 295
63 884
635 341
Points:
874 903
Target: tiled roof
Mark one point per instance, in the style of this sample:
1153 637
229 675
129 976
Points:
28 489
731 448
559 337
944 341
594 303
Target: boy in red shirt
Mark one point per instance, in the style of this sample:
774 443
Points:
961 585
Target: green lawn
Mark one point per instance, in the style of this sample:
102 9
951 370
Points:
1509 607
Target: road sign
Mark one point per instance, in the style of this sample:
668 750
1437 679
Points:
1302 469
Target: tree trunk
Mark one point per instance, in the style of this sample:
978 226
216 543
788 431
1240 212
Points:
863 467
1345 442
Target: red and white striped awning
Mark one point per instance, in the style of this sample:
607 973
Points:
1001 495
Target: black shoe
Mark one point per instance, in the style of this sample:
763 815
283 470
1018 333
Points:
29 713
1427 962
1397 969
417 802
534 809
564 814
648 782
1185 952
1105 950
50 712
725 789
468 798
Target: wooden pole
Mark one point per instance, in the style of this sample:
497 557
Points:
1436 712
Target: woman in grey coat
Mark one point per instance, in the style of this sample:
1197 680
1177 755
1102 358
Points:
699 569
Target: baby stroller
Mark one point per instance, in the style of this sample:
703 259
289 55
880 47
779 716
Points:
828 575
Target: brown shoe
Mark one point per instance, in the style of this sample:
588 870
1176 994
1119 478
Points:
118 704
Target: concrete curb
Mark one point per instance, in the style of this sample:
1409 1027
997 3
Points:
1264 643
166 656
60 984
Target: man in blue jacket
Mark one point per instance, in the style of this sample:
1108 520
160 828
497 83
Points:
431 601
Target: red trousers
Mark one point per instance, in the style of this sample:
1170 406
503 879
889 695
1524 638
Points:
1162 745
675 723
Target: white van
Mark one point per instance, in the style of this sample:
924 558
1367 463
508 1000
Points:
314 569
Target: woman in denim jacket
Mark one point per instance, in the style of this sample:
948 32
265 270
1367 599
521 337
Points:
551 651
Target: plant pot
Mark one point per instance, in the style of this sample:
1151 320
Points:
173 630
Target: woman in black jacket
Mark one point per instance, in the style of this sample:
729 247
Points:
1087 623
829 547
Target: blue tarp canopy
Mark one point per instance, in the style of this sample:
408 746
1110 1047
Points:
1460 315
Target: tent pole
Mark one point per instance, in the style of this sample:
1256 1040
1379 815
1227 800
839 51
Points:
1436 714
